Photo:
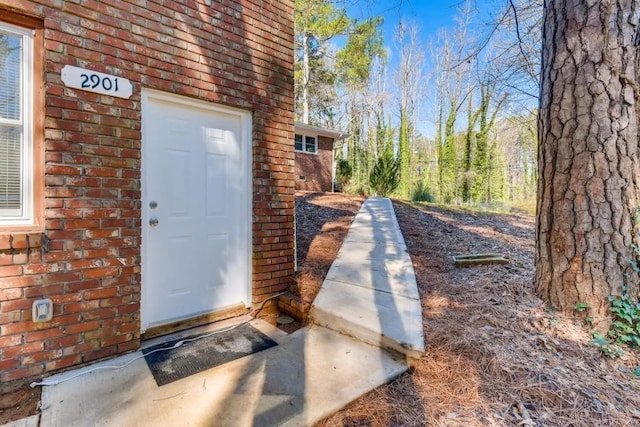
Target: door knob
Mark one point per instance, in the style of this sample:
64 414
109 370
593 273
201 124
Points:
153 222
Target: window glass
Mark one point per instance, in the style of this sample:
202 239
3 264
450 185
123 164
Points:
306 144
15 126
10 176
298 143
10 70
310 144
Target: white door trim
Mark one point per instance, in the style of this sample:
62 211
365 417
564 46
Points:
245 117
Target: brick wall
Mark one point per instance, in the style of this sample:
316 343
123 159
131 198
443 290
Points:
316 168
236 53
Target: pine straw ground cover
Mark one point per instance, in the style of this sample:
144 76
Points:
322 223
496 356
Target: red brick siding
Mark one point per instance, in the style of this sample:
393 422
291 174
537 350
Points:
316 168
237 53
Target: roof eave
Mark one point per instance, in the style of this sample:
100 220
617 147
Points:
330 133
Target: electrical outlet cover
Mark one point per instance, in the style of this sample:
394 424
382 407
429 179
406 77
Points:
42 310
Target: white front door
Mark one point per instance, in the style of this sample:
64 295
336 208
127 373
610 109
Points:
196 213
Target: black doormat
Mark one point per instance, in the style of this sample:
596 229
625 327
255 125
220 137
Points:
202 352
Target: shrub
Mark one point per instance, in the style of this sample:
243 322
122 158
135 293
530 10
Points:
421 193
344 171
625 328
385 175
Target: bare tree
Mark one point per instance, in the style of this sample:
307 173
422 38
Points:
409 78
453 92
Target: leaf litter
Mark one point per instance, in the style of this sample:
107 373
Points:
496 355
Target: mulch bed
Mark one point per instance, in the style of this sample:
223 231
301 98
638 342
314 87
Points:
19 402
322 223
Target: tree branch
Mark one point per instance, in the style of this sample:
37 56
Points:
515 15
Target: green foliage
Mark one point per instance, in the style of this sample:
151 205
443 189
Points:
319 20
316 23
364 45
606 347
449 163
360 156
362 152
344 172
625 328
481 159
356 188
404 154
421 193
385 177
581 307
467 177
384 136
353 65
484 186
496 174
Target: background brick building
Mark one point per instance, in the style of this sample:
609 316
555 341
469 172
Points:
315 157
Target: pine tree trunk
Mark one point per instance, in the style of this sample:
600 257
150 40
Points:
588 153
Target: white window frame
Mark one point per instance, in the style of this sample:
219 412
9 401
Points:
25 215
304 143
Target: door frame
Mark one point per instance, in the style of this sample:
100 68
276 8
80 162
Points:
246 142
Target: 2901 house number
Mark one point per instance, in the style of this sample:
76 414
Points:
93 81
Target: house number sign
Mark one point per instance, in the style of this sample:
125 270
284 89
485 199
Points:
93 81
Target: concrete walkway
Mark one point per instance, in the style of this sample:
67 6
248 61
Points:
367 325
370 291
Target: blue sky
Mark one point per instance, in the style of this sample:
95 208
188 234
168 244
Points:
429 15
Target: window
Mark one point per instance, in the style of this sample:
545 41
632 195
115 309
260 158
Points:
306 143
16 125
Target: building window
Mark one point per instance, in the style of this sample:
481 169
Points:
305 143
16 125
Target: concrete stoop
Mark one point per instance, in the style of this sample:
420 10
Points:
370 292
310 375
32 421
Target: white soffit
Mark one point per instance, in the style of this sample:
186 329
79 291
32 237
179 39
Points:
317 130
